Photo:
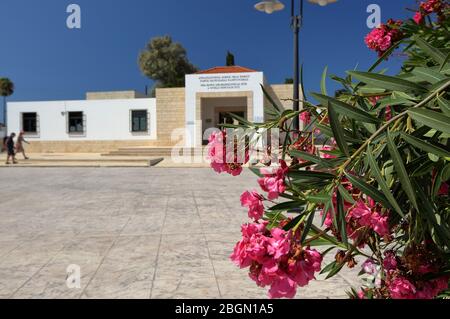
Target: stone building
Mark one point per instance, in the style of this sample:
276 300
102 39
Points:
111 121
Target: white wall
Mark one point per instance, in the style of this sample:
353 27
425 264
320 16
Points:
105 119
215 83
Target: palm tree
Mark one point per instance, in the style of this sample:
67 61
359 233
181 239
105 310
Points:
6 89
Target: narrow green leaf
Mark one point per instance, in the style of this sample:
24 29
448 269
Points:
323 83
426 146
270 99
444 105
329 132
375 171
307 228
338 131
432 119
309 157
319 198
369 190
428 75
345 109
447 58
288 205
401 170
436 54
386 82
341 220
310 175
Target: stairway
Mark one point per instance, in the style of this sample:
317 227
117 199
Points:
150 151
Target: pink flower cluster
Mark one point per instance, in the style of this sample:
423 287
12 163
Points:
223 160
381 39
273 181
275 259
254 202
401 287
360 216
366 215
429 7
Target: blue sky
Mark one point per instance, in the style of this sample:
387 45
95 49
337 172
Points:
47 61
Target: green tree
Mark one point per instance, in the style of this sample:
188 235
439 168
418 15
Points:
230 59
6 89
165 62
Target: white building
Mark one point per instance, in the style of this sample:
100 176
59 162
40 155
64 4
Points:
106 121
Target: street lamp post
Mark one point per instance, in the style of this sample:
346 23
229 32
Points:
270 6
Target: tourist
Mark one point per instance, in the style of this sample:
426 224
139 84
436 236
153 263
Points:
19 144
10 149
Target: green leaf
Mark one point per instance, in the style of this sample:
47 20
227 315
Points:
426 146
310 175
288 205
309 157
307 228
341 221
329 132
369 190
447 58
319 198
429 75
338 131
323 83
432 119
386 82
345 109
401 170
444 105
436 54
272 102
375 171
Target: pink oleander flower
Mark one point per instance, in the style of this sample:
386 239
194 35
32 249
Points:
275 259
382 38
366 216
273 180
418 17
279 244
390 261
430 289
252 246
254 202
370 267
305 117
401 288
302 271
222 159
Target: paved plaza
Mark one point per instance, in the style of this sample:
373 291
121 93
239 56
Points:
134 233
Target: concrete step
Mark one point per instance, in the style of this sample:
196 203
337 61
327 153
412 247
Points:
157 151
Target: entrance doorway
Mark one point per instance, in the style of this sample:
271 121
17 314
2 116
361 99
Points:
216 111
226 118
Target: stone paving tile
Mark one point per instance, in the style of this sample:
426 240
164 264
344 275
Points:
135 233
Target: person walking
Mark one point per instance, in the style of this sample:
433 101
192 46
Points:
19 144
10 149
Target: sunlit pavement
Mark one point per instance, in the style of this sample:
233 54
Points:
134 233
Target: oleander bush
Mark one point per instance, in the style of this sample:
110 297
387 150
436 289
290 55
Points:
366 179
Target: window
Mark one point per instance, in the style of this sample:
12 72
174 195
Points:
29 122
139 121
75 122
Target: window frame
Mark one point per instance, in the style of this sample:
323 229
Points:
147 121
83 124
24 127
